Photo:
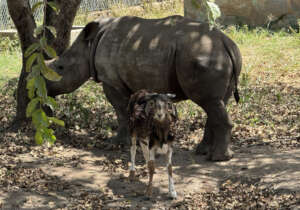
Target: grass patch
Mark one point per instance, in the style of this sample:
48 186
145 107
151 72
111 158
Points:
149 9
268 57
10 67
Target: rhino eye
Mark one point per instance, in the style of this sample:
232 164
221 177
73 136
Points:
60 67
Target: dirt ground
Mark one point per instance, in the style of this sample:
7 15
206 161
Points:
83 170
72 174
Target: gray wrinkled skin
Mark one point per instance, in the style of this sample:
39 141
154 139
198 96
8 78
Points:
170 55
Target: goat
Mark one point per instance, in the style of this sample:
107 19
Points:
152 119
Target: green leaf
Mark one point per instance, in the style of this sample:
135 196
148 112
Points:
57 121
31 93
51 75
46 71
31 88
52 30
31 49
39 119
31 106
43 42
35 71
214 10
38 138
36 5
30 83
51 102
40 85
50 51
38 30
48 135
54 6
30 61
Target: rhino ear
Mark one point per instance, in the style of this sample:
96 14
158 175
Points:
91 30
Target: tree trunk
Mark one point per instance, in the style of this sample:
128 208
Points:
23 19
20 12
62 22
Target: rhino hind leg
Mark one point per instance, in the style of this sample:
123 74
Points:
220 126
205 146
119 101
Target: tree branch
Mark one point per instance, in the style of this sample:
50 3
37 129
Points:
62 23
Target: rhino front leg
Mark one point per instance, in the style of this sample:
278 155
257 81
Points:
119 100
206 143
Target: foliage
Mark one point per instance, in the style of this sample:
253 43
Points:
9 45
212 10
36 84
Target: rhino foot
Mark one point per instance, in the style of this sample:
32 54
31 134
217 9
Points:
203 148
220 156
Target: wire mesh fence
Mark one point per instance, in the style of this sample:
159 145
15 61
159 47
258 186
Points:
85 6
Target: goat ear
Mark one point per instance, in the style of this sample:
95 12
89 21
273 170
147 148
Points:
133 99
91 30
148 96
170 95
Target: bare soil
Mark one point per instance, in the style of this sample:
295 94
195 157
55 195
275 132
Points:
83 170
73 175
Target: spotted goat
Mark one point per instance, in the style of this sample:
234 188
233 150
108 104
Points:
152 119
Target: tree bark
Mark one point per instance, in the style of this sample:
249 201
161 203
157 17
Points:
23 19
20 12
62 22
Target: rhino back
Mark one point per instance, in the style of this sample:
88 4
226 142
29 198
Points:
141 52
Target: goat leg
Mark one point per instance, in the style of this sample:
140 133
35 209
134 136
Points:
151 168
132 155
172 191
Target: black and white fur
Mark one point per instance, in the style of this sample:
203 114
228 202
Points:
152 119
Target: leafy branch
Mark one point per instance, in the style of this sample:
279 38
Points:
212 10
36 84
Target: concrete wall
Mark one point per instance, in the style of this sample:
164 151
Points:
250 12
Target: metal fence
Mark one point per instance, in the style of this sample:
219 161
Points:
85 6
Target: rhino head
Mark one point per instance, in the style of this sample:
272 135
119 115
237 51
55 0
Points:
76 64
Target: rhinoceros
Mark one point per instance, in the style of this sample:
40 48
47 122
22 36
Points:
169 55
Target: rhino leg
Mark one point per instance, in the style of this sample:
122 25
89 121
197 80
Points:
119 101
205 145
220 125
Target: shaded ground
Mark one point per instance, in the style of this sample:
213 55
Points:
68 177
84 171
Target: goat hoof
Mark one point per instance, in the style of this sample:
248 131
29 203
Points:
132 176
173 195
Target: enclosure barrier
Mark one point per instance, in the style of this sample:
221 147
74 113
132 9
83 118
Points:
85 6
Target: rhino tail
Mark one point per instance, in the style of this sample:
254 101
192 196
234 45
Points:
236 58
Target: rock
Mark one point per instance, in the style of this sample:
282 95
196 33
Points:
273 13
